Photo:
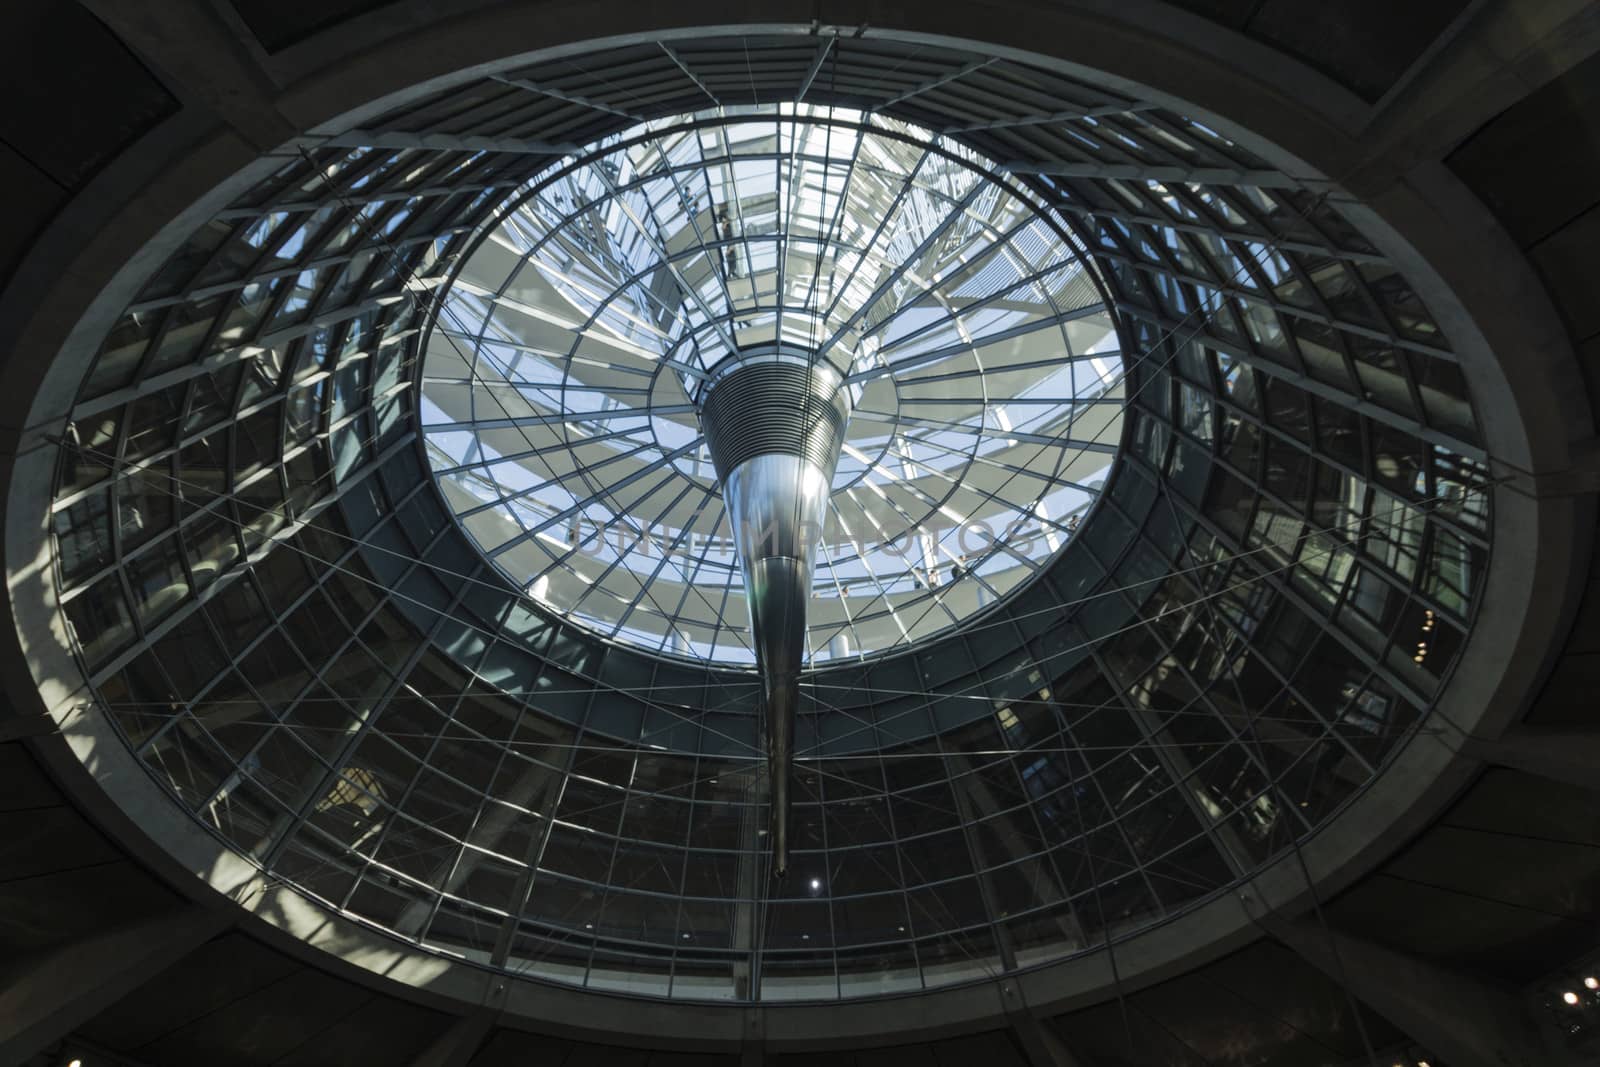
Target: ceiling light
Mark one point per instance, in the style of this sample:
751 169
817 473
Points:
1570 997
816 883
1591 983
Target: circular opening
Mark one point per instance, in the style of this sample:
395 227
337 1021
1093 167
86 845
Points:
562 389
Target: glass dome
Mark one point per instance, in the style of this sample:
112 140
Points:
561 385
286 623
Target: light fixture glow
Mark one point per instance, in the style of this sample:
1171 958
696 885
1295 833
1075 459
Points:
1591 983
1570 997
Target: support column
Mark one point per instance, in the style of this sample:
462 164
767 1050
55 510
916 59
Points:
1465 1021
46 997
1563 755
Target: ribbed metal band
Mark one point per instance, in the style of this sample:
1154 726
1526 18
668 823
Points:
775 407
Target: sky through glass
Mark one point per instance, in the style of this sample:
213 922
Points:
561 382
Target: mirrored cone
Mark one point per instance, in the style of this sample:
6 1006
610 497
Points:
775 428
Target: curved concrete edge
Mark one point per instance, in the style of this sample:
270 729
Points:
1521 618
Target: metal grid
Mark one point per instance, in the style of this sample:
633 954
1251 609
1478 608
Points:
559 393
278 610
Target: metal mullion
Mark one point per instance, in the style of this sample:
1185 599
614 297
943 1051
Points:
512 457
986 895
1323 623
1360 474
483 803
829 237
1376 413
662 254
268 251
906 185
670 620
1117 153
737 199
1249 296
722 608
311 206
608 889
566 97
954 209
683 863
977 431
681 65
534 854
1365 519
264 254
188 296
987 461
228 356
237 656
699 562
872 574
936 82
180 523
1204 689
1034 364
827 862
668 457
1047 856
1000 246
1275 580
526 350
1024 401
1151 733
1112 819
364 863
888 823
200 596
786 208
449 110
1215 228
721 611
641 534
1055 118
689 586
671 170
1155 118
665 461
554 418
